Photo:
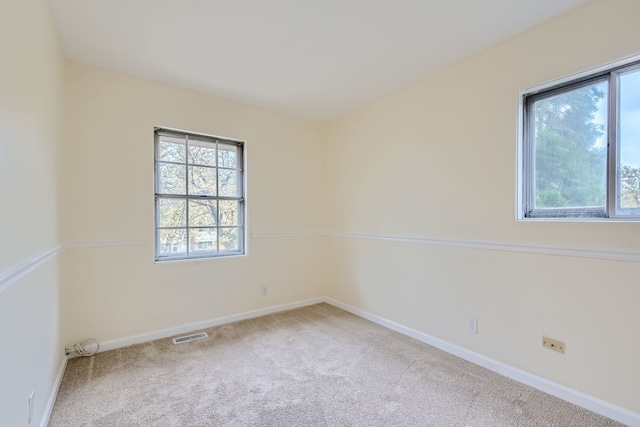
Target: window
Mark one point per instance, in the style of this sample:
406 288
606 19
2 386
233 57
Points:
199 196
580 153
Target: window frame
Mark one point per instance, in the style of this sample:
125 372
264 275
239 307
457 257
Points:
240 198
525 209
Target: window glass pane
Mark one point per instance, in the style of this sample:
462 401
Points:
202 181
203 213
202 152
228 212
191 174
203 240
229 239
629 141
227 156
171 149
229 182
172 213
570 163
172 242
171 179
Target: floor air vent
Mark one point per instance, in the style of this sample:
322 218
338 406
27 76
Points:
187 338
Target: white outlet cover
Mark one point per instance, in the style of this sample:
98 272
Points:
472 325
31 405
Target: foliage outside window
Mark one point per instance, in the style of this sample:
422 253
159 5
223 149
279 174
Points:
581 148
199 196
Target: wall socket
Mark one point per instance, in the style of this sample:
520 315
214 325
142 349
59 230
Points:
472 325
265 290
31 402
554 345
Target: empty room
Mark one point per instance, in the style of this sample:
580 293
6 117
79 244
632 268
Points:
305 213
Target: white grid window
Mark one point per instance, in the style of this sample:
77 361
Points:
199 195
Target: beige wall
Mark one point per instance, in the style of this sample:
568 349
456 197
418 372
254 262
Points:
437 159
115 290
31 89
434 159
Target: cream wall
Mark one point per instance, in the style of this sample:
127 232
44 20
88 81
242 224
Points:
437 159
113 287
31 90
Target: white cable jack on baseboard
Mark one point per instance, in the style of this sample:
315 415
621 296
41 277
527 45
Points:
86 348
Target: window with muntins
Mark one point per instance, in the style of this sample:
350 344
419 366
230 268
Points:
200 205
580 149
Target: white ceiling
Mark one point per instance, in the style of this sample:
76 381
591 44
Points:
311 58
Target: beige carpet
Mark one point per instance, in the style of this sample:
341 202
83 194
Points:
316 366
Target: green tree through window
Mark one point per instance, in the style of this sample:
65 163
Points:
570 158
581 147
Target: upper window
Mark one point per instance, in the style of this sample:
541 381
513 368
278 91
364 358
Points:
581 148
199 196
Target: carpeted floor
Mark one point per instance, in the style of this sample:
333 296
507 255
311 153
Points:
316 366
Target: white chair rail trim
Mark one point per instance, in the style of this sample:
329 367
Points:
522 247
16 272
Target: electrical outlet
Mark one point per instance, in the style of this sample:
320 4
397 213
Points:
265 290
31 401
472 325
554 345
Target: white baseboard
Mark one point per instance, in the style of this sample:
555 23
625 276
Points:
190 327
54 393
578 398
